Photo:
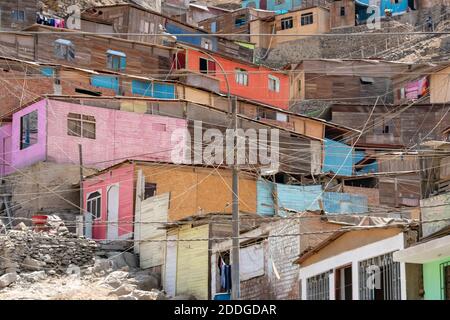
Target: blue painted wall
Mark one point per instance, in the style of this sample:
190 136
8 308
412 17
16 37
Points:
155 89
370 168
194 40
108 82
163 90
397 8
272 5
301 198
337 202
297 198
48 71
338 158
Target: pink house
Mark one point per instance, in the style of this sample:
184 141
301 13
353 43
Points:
51 130
108 199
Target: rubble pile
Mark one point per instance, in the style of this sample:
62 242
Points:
53 251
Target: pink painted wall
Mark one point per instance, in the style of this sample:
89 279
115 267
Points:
11 152
124 177
120 135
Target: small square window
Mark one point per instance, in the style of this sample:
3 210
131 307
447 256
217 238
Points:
64 49
116 60
240 20
287 23
306 19
18 15
342 11
82 126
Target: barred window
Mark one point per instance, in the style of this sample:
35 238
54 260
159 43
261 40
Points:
318 287
379 278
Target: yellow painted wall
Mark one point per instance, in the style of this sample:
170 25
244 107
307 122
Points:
321 23
192 262
197 190
440 86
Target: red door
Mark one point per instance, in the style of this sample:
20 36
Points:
263 4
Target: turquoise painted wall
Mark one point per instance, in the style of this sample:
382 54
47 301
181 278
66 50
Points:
298 198
338 158
432 279
272 5
301 198
338 202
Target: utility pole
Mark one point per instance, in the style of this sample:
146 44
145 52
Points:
235 281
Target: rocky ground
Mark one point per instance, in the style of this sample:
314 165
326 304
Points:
99 282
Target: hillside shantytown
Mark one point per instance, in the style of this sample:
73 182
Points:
225 150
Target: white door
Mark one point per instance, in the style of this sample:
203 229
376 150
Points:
152 218
113 212
170 271
88 225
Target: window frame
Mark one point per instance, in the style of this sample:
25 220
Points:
18 15
240 20
306 19
206 44
241 74
342 12
64 50
82 120
27 118
274 80
112 56
98 204
209 62
287 23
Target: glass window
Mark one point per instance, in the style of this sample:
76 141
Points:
207 66
306 19
342 11
81 125
274 83
94 204
29 129
116 60
241 77
18 15
287 23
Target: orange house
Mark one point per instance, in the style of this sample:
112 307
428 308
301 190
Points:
246 80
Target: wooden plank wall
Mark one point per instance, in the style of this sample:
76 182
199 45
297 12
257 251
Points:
30 7
90 52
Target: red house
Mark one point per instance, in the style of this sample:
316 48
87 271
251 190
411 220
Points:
246 80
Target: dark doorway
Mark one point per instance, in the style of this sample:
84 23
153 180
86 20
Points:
343 283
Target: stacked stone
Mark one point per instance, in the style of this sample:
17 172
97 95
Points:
26 250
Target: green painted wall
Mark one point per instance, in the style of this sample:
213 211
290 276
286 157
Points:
432 279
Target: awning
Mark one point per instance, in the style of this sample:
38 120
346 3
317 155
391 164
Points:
116 53
64 42
425 252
